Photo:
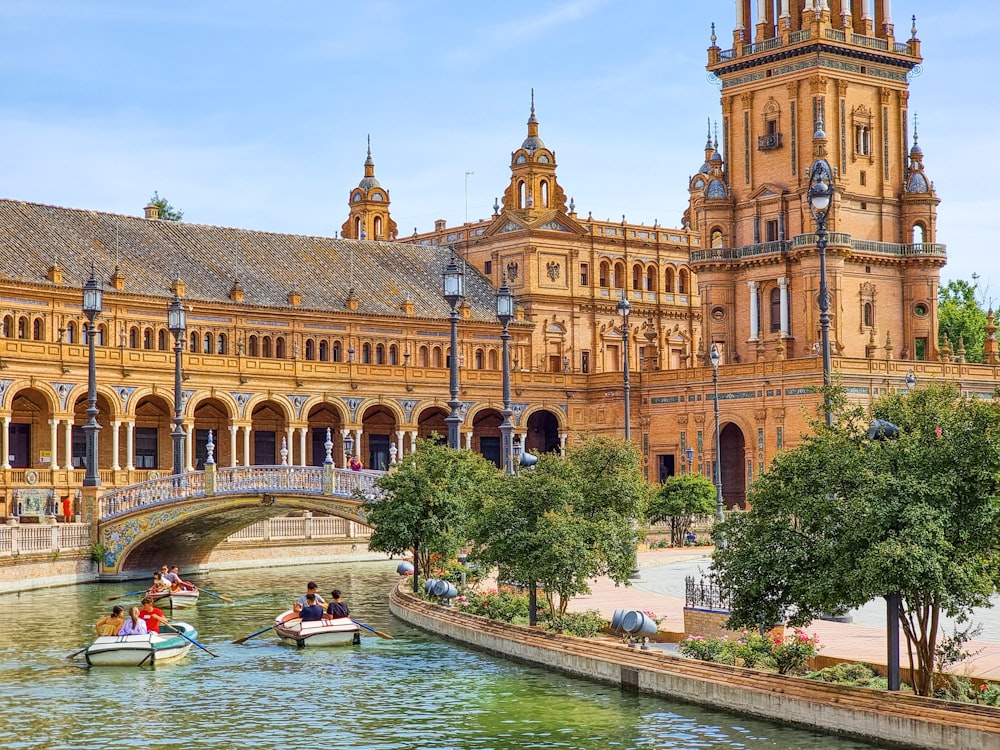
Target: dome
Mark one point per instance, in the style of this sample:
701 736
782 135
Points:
367 183
917 183
533 143
716 189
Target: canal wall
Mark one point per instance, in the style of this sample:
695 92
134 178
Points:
894 718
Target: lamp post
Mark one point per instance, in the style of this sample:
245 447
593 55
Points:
177 323
689 454
93 301
719 507
820 196
624 308
505 313
454 289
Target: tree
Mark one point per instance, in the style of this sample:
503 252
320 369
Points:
844 519
422 503
678 500
167 212
961 317
565 521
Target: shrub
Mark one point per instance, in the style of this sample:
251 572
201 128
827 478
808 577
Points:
718 650
791 652
584 624
753 650
855 674
496 605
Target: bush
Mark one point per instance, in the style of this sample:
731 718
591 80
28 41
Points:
718 650
854 674
496 605
754 650
791 652
584 624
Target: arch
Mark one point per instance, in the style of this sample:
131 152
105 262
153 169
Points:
152 446
212 413
716 238
527 413
8 326
161 340
337 354
683 281
324 351
72 331
49 398
323 415
366 353
651 278
37 329
733 465
195 341
379 424
133 338
542 431
619 275
479 360
494 360
604 278
380 354
147 338
222 344
29 433
266 346
196 399
486 436
393 354
668 279
869 314
774 308
377 227
102 334
422 357
208 342
22 327
279 402
543 188
522 195
637 276
430 420
437 357
253 346
269 419
918 233
279 347
310 349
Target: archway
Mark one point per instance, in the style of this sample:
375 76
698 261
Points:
268 427
431 422
152 444
486 435
323 417
733 447
78 441
379 427
30 438
212 414
543 432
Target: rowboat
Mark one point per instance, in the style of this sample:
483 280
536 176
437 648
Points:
341 631
141 650
180 599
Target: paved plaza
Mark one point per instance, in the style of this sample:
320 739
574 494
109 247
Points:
660 588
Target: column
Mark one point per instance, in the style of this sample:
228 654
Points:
344 458
357 447
753 286
5 443
235 458
740 20
783 286
468 441
246 445
562 444
189 447
399 444
413 441
303 457
290 443
115 426
53 443
68 447
130 446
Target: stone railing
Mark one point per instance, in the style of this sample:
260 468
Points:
238 480
39 539
286 528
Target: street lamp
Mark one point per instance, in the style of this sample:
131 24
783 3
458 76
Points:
624 308
454 289
911 381
93 302
719 507
820 196
505 313
689 454
177 323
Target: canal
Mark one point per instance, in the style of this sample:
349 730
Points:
413 691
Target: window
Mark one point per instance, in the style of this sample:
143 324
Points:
310 349
337 356
324 351
36 330
488 267
545 193
636 277
133 338
208 344
366 353
145 448
585 362
161 341
195 339
584 274
422 359
393 354
682 281
380 354
223 344
920 349
147 338
775 304
605 276
651 279
869 314
70 333
279 347
863 140
619 275
480 359
668 280
717 239
79 449
253 347
771 230
917 235
265 347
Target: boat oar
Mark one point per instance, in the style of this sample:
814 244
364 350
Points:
379 633
77 653
186 637
130 593
246 638
226 599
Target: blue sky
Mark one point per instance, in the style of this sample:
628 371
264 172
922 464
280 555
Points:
255 114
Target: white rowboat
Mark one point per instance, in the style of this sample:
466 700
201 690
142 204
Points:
342 631
141 650
182 599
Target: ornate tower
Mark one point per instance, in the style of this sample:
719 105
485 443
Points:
533 190
369 217
810 79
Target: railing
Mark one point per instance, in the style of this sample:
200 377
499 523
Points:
801 35
736 253
772 43
832 238
894 248
43 538
836 35
768 142
705 594
239 480
305 527
870 41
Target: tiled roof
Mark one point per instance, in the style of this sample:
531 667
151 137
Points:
208 259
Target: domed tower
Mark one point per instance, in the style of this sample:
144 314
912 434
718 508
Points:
369 217
533 189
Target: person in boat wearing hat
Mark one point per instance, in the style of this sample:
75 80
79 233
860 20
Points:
337 608
111 624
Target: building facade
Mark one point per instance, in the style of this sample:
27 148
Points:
289 337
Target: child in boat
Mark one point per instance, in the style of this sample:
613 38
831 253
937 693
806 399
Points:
312 611
337 608
134 625
111 624
159 584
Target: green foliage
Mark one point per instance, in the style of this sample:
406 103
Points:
790 653
583 624
678 500
753 650
853 674
496 605
423 502
167 212
97 551
961 317
842 520
563 522
718 650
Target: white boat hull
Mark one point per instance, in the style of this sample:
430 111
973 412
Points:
339 632
140 650
185 599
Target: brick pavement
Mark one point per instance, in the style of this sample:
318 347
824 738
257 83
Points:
848 641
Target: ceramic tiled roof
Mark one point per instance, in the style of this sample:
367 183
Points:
151 253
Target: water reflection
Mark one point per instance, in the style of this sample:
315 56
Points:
411 692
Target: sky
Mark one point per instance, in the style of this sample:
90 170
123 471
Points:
256 114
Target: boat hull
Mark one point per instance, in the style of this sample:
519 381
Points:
141 650
185 599
324 633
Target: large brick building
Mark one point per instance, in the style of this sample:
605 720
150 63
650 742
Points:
291 336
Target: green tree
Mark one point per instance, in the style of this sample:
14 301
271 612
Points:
844 519
961 317
565 521
678 500
422 503
167 212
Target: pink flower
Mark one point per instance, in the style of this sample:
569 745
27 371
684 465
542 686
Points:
938 431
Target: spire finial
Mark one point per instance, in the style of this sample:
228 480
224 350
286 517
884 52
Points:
714 38
369 162
820 133
916 136
532 117
913 28
716 141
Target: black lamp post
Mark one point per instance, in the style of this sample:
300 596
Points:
689 454
93 302
820 196
454 291
348 449
624 308
177 323
719 506
505 313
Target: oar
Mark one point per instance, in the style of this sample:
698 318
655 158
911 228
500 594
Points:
77 653
226 599
186 637
246 638
130 593
379 633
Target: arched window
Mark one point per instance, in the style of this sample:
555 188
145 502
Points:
393 354
366 353
208 343
8 326
377 227
619 275
266 347
480 359
22 328
544 187
36 329
324 351
357 228
147 338
636 277
223 343
161 340
917 236
422 356
133 338
337 352
70 332
651 279
717 239
253 346
380 354
195 340
775 306
522 195
605 276
869 312
279 347
668 280
494 360
437 359
310 349
102 335
682 281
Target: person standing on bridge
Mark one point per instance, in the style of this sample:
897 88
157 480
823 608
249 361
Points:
355 463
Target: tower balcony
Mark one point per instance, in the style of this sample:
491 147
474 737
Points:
931 250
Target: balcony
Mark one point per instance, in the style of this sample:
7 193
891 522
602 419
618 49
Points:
769 142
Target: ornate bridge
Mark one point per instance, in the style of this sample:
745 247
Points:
181 518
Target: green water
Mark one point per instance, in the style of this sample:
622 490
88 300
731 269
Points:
410 692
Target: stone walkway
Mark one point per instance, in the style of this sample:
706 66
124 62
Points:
660 586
